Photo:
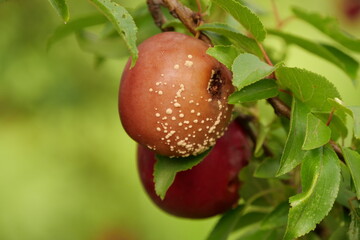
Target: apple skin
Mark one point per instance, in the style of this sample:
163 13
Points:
174 100
209 188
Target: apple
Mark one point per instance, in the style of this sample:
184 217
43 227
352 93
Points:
174 100
209 188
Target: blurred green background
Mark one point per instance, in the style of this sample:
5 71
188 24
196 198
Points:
67 168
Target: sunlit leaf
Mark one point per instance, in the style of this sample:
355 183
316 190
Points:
238 39
317 133
166 169
320 180
356 116
248 69
61 8
330 27
224 54
293 154
309 87
329 53
262 89
122 21
352 159
353 111
244 16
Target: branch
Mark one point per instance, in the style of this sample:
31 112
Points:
154 7
190 19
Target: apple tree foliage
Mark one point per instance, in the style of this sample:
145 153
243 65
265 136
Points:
307 182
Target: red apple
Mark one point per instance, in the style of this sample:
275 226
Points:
209 188
174 100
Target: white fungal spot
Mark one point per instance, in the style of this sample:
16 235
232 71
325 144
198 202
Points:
173 118
192 111
181 115
177 104
150 89
188 63
190 56
157 114
176 66
195 121
169 111
160 92
198 114
170 134
158 129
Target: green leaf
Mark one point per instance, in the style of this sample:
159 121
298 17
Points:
262 89
267 168
244 16
260 139
320 179
356 116
339 105
317 133
226 224
61 8
346 185
73 26
353 111
354 228
339 234
166 169
293 154
224 54
277 217
348 63
238 39
340 59
337 124
330 27
352 159
110 47
123 23
309 87
248 69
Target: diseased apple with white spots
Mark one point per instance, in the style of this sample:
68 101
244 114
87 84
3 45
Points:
174 100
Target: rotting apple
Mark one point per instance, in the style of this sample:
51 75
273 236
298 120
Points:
174 100
209 188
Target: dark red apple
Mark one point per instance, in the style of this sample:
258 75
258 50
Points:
174 100
208 189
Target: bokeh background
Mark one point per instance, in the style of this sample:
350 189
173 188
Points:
67 168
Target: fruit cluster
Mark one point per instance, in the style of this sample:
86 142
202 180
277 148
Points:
173 102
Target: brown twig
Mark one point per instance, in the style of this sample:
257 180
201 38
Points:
279 107
190 19
154 7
